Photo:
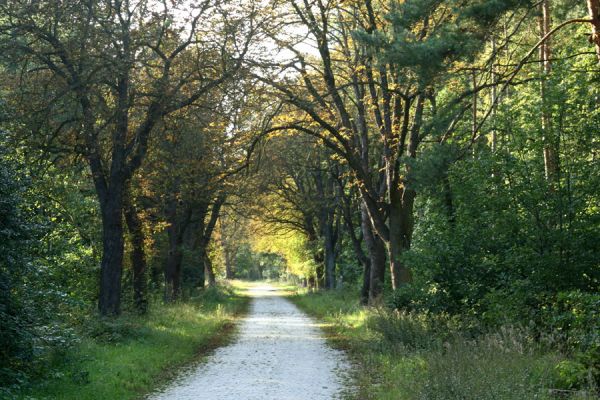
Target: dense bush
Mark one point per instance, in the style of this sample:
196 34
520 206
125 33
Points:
47 265
16 334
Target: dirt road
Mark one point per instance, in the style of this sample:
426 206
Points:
278 354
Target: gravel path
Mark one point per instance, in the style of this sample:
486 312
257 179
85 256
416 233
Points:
279 354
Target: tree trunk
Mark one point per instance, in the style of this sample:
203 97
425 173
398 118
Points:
228 255
594 10
227 248
320 270
206 230
138 257
400 228
111 267
494 96
551 162
175 254
449 201
376 250
366 283
210 272
173 271
329 242
202 270
358 251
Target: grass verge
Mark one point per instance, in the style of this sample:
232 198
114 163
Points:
126 358
409 356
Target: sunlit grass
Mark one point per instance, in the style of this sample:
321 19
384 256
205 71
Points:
413 357
130 356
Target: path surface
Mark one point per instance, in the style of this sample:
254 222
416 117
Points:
279 354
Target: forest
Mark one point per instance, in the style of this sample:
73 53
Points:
422 177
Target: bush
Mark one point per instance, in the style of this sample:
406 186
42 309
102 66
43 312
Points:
16 336
575 316
110 330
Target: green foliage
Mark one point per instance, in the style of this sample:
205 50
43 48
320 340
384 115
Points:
576 314
419 355
47 262
571 374
128 356
16 334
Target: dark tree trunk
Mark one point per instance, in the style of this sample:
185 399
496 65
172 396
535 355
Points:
229 273
366 283
357 246
111 268
320 267
329 241
376 250
228 248
326 212
400 234
210 272
206 231
202 269
175 232
377 278
449 201
551 159
173 268
138 257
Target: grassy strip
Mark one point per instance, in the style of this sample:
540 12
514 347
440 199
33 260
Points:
128 357
407 356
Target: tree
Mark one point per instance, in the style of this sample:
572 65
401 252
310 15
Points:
372 90
111 72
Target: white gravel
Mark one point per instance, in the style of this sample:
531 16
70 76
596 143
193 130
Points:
279 354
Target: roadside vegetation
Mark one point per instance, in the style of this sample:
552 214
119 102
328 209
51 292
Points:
412 355
430 169
127 357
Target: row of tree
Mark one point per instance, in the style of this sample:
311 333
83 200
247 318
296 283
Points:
441 154
397 97
143 93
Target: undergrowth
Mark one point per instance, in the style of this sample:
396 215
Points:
125 357
406 356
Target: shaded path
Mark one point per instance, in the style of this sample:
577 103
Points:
279 354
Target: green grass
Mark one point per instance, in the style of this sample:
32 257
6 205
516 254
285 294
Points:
408 356
128 357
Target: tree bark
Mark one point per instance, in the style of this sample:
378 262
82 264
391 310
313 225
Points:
138 256
173 266
228 255
111 267
376 250
320 269
329 257
357 246
205 234
594 10
400 233
175 231
210 272
494 95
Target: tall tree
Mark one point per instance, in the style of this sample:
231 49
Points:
111 71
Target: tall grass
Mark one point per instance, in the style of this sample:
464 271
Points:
404 356
126 357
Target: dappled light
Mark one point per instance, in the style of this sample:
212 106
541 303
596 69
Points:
232 199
